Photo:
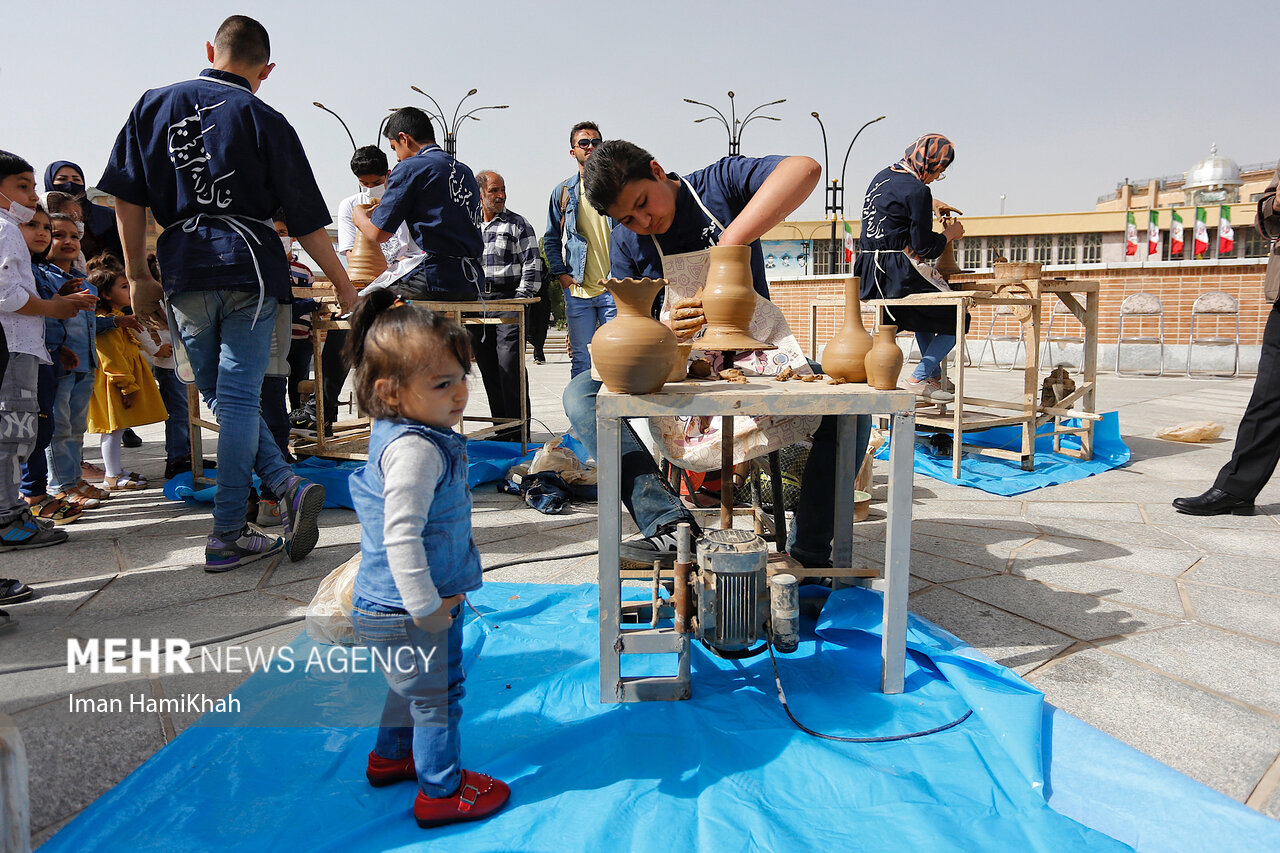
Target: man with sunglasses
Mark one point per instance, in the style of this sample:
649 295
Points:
577 246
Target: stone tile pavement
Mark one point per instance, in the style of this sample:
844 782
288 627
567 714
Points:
1160 629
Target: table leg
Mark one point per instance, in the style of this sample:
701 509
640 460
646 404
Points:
846 473
1030 388
957 405
524 387
726 472
609 505
1090 401
317 367
897 554
196 436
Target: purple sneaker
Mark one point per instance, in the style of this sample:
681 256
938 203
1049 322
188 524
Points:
222 553
299 508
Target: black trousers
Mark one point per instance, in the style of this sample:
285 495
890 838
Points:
537 319
1257 449
335 371
496 350
299 368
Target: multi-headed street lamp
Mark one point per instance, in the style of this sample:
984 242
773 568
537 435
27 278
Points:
731 125
835 186
450 128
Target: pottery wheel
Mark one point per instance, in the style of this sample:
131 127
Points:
729 340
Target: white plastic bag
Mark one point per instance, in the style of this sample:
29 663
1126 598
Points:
329 613
1191 432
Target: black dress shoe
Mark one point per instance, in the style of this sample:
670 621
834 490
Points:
1213 502
131 439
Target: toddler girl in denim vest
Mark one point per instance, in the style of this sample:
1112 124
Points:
418 559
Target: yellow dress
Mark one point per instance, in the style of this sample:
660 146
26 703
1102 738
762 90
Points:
122 370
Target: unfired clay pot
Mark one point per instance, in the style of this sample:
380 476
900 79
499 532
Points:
365 261
680 364
884 361
729 301
633 352
846 353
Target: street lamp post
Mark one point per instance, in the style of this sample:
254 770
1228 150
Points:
340 121
731 125
835 186
450 128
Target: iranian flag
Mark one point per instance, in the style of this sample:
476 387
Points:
1131 236
849 242
1201 234
1153 234
1226 235
1175 234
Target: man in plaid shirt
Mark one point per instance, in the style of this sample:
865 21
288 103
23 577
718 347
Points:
512 268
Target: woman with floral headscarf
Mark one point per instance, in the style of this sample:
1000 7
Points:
896 249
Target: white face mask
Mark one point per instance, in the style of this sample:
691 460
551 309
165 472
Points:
375 193
23 215
80 229
287 242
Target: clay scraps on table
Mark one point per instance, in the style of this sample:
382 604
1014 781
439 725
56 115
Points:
733 374
700 368
811 377
836 380
787 373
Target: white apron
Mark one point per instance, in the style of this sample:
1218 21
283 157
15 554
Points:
693 442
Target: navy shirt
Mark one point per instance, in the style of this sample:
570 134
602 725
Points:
897 213
439 198
725 187
209 148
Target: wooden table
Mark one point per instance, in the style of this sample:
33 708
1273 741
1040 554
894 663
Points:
756 397
973 414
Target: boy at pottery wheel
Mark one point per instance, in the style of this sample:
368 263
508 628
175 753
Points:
667 224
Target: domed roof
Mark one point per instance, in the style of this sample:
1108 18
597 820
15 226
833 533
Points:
1214 171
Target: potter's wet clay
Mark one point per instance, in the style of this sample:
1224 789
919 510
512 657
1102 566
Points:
729 301
365 261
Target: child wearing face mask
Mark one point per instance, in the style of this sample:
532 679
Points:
22 313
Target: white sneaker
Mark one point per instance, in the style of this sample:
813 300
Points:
930 390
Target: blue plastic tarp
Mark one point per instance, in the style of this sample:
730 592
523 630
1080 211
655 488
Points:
725 770
1006 477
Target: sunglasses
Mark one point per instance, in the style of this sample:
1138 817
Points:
586 144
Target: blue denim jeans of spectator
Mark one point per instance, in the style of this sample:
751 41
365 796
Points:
177 429
424 692
228 352
645 494
933 349
70 419
584 316
35 471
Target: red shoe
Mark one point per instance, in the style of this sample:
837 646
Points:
387 771
477 797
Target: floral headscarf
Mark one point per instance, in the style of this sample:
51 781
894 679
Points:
928 155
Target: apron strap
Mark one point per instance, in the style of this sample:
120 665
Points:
661 255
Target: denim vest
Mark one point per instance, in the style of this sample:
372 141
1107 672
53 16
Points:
452 557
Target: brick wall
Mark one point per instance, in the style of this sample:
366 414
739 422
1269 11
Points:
1177 285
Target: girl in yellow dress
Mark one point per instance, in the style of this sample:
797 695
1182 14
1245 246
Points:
124 391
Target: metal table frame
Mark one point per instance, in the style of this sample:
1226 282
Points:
756 397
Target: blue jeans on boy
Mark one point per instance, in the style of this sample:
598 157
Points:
583 317
35 471
228 352
424 695
652 503
177 429
70 419
933 349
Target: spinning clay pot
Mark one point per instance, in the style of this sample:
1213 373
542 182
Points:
729 301
634 352
365 261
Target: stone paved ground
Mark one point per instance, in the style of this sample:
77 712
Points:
1159 629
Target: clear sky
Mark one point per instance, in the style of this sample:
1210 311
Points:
1050 104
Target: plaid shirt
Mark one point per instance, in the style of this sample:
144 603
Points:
511 260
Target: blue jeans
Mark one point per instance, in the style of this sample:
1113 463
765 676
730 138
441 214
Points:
933 349
35 471
646 495
584 316
228 353
70 419
424 692
177 429
652 503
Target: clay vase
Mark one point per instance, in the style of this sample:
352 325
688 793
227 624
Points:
365 261
729 301
947 265
634 352
884 361
846 354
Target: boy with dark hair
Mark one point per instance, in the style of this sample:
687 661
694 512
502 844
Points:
731 202
213 162
22 330
438 198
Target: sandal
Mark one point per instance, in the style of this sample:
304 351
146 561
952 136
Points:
135 476
93 491
123 483
89 471
57 510
77 496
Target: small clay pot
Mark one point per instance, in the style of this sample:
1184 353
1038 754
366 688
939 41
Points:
680 365
884 361
365 261
729 301
633 352
846 354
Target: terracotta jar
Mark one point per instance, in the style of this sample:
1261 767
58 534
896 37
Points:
884 361
634 352
729 301
365 261
846 353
